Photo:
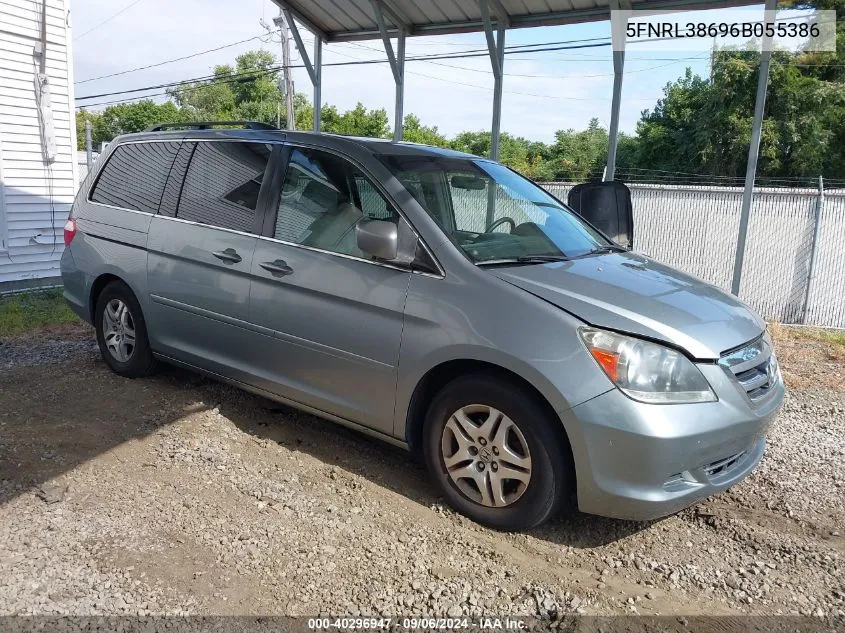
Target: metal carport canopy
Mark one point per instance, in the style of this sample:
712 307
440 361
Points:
351 20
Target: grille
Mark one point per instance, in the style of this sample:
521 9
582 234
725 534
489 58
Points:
754 367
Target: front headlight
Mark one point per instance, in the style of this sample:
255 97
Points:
646 371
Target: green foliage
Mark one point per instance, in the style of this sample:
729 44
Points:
356 122
246 91
704 125
413 131
124 118
700 126
33 310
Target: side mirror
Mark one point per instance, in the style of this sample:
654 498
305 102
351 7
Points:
607 206
378 238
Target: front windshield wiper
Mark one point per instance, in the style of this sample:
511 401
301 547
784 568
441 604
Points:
530 259
607 248
525 259
601 250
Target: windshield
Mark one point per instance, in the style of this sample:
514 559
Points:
493 213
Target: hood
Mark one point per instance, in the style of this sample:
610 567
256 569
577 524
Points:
631 293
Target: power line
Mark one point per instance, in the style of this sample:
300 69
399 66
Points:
169 61
544 76
468 85
273 69
108 19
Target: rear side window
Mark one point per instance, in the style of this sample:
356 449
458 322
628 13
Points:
134 176
222 184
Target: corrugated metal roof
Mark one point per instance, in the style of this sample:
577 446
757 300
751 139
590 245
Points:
343 20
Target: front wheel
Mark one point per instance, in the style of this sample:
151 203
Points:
496 453
122 332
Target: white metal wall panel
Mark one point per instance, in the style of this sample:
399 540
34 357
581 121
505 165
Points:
36 196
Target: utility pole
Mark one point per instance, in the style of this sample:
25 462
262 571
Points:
288 79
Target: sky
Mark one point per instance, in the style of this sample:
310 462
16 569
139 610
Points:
543 92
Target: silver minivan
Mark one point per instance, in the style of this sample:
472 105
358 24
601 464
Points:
434 299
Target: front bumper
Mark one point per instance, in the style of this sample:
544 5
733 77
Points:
643 461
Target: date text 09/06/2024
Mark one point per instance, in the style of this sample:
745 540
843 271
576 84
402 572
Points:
413 624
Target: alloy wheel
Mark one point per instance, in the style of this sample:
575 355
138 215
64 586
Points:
486 455
119 330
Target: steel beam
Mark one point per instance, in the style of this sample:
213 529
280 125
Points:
496 48
318 84
397 15
553 18
501 13
385 38
618 37
315 68
812 266
754 148
399 117
397 64
304 21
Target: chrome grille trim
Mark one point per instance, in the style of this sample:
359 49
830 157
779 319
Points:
752 366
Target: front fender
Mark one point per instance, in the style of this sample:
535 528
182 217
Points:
485 319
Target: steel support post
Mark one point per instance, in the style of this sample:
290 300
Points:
814 254
397 62
754 148
315 69
618 38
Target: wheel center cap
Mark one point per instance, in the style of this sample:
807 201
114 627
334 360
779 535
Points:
485 454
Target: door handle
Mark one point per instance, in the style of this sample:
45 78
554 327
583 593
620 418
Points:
229 255
277 267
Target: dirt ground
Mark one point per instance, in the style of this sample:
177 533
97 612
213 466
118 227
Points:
178 495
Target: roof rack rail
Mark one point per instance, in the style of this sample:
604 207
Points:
205 125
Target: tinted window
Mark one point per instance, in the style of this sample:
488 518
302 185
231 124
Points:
173 189
222 184
134 176
323 198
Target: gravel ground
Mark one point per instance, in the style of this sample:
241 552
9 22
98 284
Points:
178 495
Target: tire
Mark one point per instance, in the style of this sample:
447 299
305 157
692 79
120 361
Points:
520 504
114 330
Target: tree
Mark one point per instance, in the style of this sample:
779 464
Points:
413 131
247 91
700 125
83 115
359 121
704 125
124 118
578 155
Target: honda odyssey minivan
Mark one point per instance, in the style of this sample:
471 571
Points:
434 299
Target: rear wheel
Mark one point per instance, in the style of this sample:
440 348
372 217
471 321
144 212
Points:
496 453
122 332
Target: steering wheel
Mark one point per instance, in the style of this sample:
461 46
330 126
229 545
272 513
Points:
499 222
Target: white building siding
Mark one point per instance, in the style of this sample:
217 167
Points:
35 196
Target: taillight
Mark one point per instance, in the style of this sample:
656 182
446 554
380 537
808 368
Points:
70 230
